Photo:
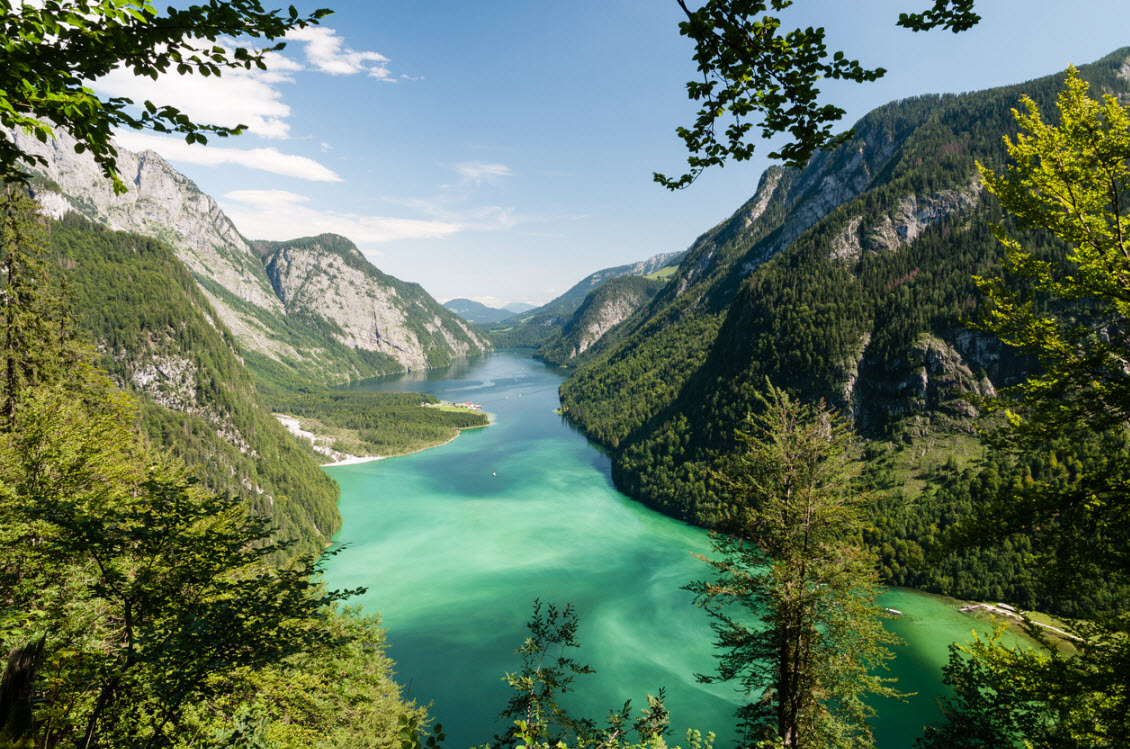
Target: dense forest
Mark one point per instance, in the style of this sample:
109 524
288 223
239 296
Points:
155 335
142 605
602 308
374 423
850 312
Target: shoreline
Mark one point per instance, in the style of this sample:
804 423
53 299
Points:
353 460
356 459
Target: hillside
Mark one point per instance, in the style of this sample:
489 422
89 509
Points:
847 280
475 312
602 311
284 338
388 325
158 337
534 327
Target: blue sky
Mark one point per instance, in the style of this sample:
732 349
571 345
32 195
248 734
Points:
503 149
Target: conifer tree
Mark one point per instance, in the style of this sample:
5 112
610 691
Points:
792 562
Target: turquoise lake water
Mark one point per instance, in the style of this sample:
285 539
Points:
455 543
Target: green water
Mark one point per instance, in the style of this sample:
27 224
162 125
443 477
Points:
454 544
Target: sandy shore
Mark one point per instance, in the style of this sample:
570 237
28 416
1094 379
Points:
353 459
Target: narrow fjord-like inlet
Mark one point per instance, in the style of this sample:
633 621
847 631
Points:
455 543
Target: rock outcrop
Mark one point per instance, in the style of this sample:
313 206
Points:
285 319
328 276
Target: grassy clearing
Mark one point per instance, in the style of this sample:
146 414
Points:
908 467
454 409
663 273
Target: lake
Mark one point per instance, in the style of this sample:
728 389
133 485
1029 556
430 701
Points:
455 543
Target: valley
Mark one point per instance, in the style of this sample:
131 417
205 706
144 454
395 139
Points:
248 492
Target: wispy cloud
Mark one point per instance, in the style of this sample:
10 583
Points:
326 52
478 218
265 159
250 97
279 214
473 173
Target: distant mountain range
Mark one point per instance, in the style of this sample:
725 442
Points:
199 323
311 309
478 313
537 325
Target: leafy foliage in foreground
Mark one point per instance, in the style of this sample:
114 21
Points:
136 608
1072 179
45 85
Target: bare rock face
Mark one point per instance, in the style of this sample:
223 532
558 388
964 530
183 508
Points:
610 313
328 276
161 203
363 308
905 223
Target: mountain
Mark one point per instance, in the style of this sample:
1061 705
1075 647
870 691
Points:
327 282
847 280
284 337
158 336
533 327
198 322
603 309
473 311
519 307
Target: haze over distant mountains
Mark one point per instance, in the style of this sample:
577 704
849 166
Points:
476 312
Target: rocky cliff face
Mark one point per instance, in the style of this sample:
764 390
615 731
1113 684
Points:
289 333
603 310
329 277
161 203
846 281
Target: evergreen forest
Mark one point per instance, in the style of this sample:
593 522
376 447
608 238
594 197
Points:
904 361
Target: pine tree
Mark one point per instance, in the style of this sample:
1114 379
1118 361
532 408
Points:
791 561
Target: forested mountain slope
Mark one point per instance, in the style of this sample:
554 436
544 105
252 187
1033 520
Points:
288 340
158 336
847 280
603 309
534 327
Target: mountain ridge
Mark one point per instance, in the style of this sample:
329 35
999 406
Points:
300 344
846 281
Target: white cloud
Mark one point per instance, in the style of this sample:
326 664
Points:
278 214
266 159
238 97
326 52
478 172
249 97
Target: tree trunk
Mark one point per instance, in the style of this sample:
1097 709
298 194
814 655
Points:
16 687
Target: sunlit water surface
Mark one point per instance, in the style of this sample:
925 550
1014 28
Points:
455 543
